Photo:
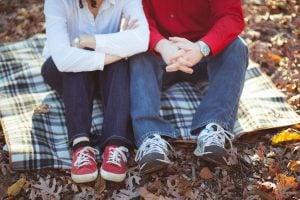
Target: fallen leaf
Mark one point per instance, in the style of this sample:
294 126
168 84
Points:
272 57
297 126
16 188
46 190
273 170
124 194
205 173
261 151
286 181
131 181
147 195
268 186
42 109
294 166
289 135
100 185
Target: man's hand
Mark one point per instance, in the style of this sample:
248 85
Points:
85 41
192 53
171 54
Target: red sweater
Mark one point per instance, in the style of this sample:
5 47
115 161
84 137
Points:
215 22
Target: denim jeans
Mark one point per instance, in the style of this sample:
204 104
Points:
225 73
78 91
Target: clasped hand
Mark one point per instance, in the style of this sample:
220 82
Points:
179 54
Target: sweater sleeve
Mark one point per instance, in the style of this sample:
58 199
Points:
229 24
155 35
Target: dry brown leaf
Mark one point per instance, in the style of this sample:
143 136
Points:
155 186
205 173
46 190
42 109
16 188
261 151
147 195
272 57
294 166
286 181
124 194
100 185
273 170
297 126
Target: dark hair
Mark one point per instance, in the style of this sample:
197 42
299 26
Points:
94 3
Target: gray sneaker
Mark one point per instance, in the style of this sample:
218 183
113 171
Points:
211 144
153 154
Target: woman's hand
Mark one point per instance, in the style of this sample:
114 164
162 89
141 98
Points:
128 24
85 41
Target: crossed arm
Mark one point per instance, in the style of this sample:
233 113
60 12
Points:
108 48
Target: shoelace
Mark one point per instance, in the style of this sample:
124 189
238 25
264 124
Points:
217 137
84 157
116 154
154 145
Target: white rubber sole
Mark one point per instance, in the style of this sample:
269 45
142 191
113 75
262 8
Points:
85 178
112 177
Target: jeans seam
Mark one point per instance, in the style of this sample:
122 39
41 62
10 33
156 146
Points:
231 115
144 136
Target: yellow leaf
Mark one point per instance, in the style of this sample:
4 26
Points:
286 136
16 188
294 166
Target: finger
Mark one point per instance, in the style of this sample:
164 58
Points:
75 42
178 55
186 69
177 39
184 61
127 18
173 67
132 24
183 46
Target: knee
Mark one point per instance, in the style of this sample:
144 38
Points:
239 48
142 62
47 68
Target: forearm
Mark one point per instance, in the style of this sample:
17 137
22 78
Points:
109 59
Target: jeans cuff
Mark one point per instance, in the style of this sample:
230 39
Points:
123 139
141 139
195 130
77 135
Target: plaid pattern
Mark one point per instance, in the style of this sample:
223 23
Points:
39 140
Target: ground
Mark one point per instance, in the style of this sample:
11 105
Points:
259 170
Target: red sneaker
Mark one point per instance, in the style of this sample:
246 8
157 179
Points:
84 166
114 165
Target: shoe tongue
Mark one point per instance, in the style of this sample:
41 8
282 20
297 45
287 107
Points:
212 128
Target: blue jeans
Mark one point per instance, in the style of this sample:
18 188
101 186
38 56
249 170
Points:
78 91
225 73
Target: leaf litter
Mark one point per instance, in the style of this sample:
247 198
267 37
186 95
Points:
258 169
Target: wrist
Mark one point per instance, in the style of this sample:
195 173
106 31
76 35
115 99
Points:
87 41
203 48
159 47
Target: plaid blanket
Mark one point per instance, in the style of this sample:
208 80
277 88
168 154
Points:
32 116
